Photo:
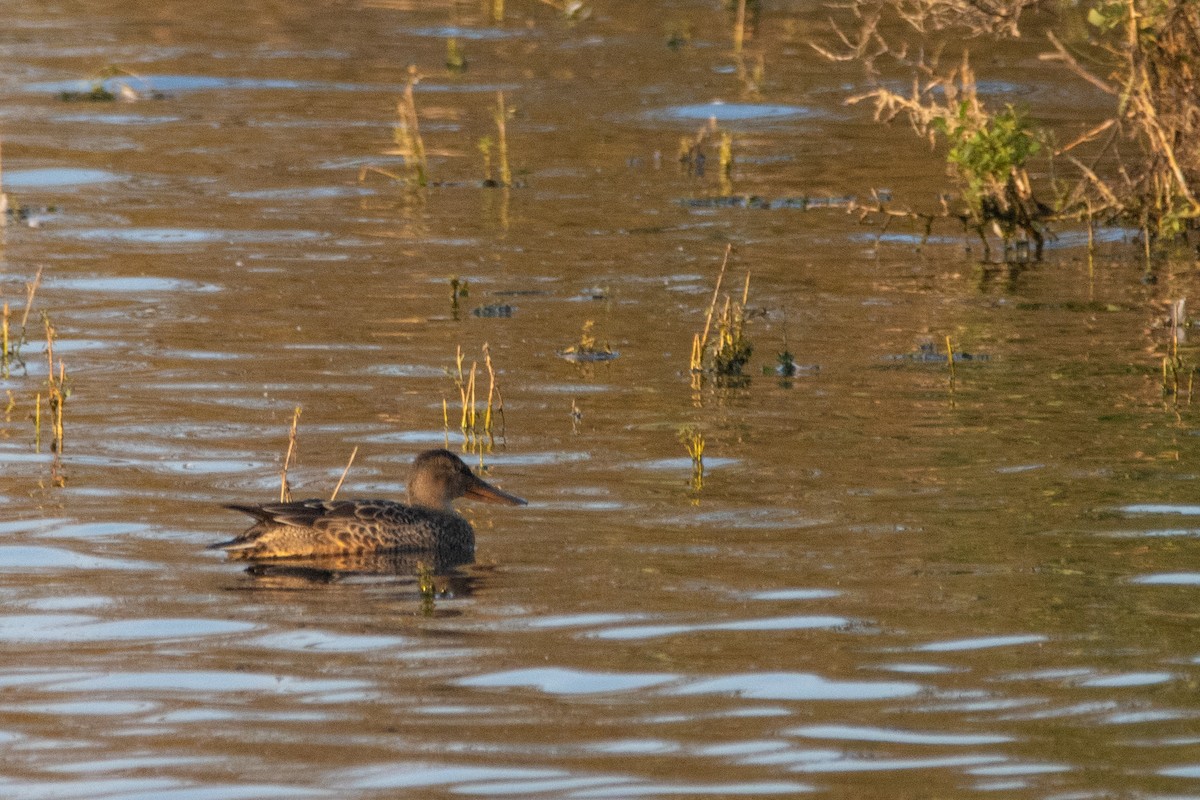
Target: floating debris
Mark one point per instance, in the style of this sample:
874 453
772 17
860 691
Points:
587 351
32 216
754 201
927 353
786 366
497 310
520 293
114 83
575 355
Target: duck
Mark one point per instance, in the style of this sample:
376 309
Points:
426 523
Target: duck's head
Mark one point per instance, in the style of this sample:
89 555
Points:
439 477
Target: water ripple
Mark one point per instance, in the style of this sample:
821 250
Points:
559 680
792 623
798 686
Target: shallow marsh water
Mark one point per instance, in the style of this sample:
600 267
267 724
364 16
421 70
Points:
884 588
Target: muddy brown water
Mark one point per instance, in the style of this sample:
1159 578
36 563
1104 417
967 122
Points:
884 588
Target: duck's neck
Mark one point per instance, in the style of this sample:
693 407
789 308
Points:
428 494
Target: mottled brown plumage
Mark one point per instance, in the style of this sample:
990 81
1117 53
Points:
338 527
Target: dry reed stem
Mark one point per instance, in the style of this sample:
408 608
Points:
289 458
712 305
362 174
470 408
49 349
59 398
55 394
499 411
345 472
30 290
407 111
487 414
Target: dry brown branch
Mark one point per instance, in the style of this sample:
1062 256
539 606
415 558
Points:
1073 64
1088 136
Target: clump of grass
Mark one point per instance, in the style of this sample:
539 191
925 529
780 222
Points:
691 149
586 349
725 350
56 389
477 433
733 349
692 439
693 155
289 458
407 136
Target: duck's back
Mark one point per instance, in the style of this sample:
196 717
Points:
328 527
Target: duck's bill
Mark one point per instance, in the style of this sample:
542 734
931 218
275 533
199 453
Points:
484 492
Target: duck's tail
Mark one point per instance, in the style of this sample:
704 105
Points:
246 540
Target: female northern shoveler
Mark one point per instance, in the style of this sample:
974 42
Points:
339 527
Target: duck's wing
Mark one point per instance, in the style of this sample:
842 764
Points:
326 518
301 513
313 514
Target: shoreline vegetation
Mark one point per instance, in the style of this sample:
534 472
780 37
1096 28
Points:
1140 167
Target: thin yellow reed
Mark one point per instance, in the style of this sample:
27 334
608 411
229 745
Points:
345 472
285 489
